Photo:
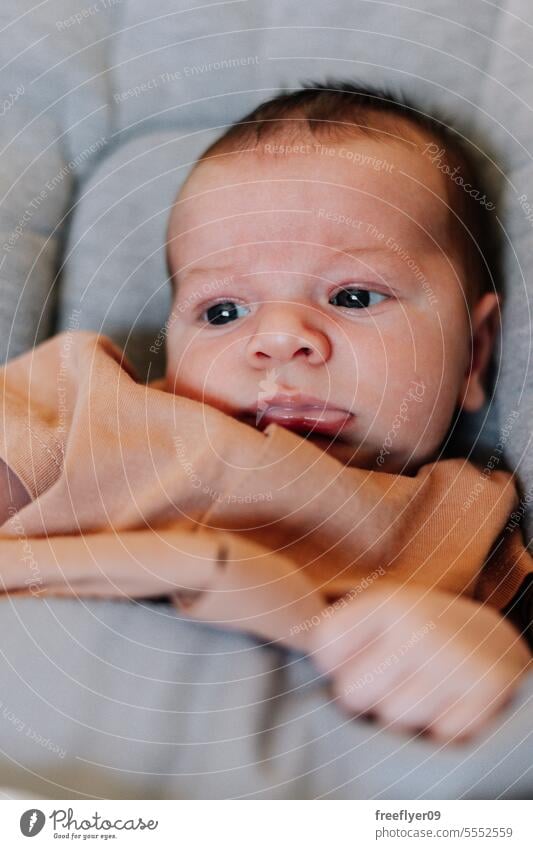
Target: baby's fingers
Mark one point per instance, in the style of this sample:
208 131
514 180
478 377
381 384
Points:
361 684
468 715
416 703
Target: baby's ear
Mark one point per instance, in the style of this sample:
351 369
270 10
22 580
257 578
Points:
485 323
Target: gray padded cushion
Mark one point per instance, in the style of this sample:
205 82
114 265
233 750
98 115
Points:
144 705
181 70
117 233
54 114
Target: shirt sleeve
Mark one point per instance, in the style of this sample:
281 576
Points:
505 569
507 580
520 610
13 493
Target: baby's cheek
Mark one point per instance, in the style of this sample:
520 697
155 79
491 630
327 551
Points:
187 364
428 410
413 412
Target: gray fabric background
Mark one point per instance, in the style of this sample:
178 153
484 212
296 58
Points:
88 171
112 700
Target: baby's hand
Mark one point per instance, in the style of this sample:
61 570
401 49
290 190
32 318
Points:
420 659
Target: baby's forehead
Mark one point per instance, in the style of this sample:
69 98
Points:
294 184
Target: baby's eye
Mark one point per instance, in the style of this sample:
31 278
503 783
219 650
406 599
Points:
222 312
350 296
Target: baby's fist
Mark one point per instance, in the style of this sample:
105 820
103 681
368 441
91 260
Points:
420 659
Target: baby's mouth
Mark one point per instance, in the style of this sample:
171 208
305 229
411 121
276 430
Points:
307 420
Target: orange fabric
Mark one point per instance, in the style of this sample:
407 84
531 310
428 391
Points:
138 492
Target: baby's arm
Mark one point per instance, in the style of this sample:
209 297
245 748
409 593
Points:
420 659
220 578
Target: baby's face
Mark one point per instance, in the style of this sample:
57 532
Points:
325 270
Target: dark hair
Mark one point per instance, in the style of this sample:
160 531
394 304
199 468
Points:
337 108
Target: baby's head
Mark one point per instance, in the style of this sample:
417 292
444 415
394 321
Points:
328 258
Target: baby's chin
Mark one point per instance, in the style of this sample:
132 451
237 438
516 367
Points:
344 451
359 456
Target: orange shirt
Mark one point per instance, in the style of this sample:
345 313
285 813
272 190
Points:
139 492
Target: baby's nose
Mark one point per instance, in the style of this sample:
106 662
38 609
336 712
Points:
286 334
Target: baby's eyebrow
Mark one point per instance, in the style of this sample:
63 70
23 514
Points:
227 270
189 272
358 249
219 276
222 276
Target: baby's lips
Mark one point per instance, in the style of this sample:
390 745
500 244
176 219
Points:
329 422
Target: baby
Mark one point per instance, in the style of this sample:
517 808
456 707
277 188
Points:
322 243
330 277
